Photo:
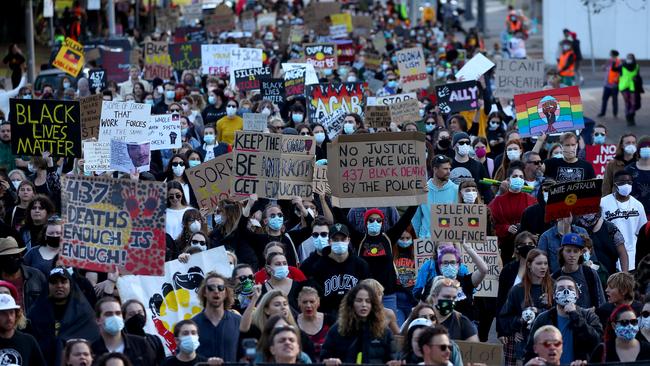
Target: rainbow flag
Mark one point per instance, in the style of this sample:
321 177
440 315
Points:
554 110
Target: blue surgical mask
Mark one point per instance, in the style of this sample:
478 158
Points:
209 139
170 94
449 270
348 128
558 156
404 243
374 228
212 100
429 70
66 85
516 183
320 243
644 152
296 117
193 163
113 324
339 247
27 96
429 128
185 130
189 343
627 332
244 110
320 137
148 101
281 272
599 140
275 223
218 219
327 72
392 84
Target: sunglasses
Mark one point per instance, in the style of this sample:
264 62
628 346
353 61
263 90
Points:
463 142
430 123
176 196
536 162
626 322
274 215
322 235
645 314
213 288
304 134
379 221
174 110
244 278
443 347
198 242
599 134
549 344
178 163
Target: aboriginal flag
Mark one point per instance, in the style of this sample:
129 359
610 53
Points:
576 198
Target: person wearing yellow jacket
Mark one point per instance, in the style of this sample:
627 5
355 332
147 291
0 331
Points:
627 85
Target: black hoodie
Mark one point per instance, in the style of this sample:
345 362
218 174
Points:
533 217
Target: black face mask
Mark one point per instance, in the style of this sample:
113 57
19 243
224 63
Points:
444 143
53 241
524 249
135 325
10 264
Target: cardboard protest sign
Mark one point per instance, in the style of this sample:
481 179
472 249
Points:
222 19
164 131
130 156
294 81
549 111
474 68
97 156
266 20
379 42
296 34
273 90
215 58
250 79
479 352
338 31
173 295
377 116
90 108
457 97
185 56
598 156
192 13
255 122
315 13
245 58
117 65
412 69
321 186
328 104
210 181
97 79
361 25
124 121
39 125
321 55
272 165
342 19
310 72
70 57
575 198
489 252
405 111
423 251
364 169
513 77
157 63
111 223
459 222
390 99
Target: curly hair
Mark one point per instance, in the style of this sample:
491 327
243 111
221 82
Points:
230 297
349 322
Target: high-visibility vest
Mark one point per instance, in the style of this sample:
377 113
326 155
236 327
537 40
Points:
612 76
514 26
564 59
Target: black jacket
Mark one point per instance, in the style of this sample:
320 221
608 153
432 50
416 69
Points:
346 348
532 219
506 281
136 348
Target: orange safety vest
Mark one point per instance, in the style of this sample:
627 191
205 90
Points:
515 26
564 59
612 76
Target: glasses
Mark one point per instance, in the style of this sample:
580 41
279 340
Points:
645 314
232 106
623 182
443 347
448 263
464 142
626 322
274 215
244 278
198 242
549 344
379 221
599 134
304 134
324 234
175 196
536 162
175 110
430 123
213 288
178 163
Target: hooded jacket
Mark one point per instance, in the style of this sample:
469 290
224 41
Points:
422 219
533 217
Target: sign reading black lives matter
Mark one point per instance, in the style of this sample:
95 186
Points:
45 125
273 91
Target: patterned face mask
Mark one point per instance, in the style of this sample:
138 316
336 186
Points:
565 297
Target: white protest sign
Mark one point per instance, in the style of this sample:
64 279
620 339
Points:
310 76
127 156
390 99
124 121
255 122
244 58
165 131
474 68
266 20
215 58
97 156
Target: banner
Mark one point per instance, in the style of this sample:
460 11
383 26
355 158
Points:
157 63
97 156
112 223
255 122
90 108
390 99
273 91
457 97
575 198
479 352
412 69
489 252
250 79
210 181
513 77
164 131
124 121
598 156
549 111
215 58
474 68
321 55
405 111
70 58
185 56
172 297
45 125
97 79
294 81
321 186
377 116
328 104
272 166
424 249
364 169
458 223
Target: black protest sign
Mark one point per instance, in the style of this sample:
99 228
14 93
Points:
97 79
45 125
294 81
321 55
273 91
457 97
575 198
185 56
250 79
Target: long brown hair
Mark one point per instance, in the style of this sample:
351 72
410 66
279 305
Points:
230 213
527 282
500 174
620 151
349 321
230 297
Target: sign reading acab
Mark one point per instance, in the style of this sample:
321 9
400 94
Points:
70 57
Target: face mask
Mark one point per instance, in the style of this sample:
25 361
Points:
209 139
348 128
320 137
53 241
463 150
429 128
31 168
589 220
629 60
545 195
339 247
445 306
231 111
212 100
493 126
392 84
184 131
516 183
320 243
384 67
195 226
480 152
524 249
189 343
644 152
193 163
627 332
244 110
358 65
429 70
275 223
421 113
186 108
178 170
470 196
113 325
644 322
296 118
586 256
599 140
624 190
565 297
16 183
148 101
135 325
404 243
629 149
27 96
327 72
449 271
374 228
444 143
266 112
10 264
66 85
352 79
513 154
558 156
281 272
218 219
170 94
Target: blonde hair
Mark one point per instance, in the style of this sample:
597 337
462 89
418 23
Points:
545 329
375 285
439 282
260 317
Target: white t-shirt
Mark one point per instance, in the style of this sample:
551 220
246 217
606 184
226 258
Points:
174 221
628 217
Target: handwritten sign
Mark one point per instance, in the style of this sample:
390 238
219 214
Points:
112 223
164 131
255 122
294 81
405 111
244 58
598 156
489 252
266 20
185 56
97 79
157 63
365 169
456 97
310 72
250 79
90 109
215 58
513 77
459 223
210 181
97 156
45 125
124 121
575 198
273 91
424 249
328 104
477 352
412 69
222 19
321 55
321 186
70 57
377 116
390 99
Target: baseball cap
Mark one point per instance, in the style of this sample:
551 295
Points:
9 246
572 239
420 322
7 302
339 229
59 272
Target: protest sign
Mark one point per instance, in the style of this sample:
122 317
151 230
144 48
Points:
457 97
164 131
272 165
39 125
192 13
377 116
124 121
97 79
117 65
474 68
111 223
247 20
321 55
294 81
185 56
266 20
513 77
328 104
296 34
128 157
245 58
390 99
338 31
346 51
215 58
173 296
575 198
321 186
423 251
364 169
361 25
310 72
70 57
315 13
97 156
250 79
373 61
255 122
412 69
489 252
222 19
342 19
598 156
210 181
157 63
405 111
273 90
479 352
549 111
459 222
379 42
90 108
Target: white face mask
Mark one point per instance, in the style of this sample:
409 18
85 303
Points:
195 226
463 150
545 194
231 111
16 183
178 170
513 154
630 149
266 112
624 190
470 196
